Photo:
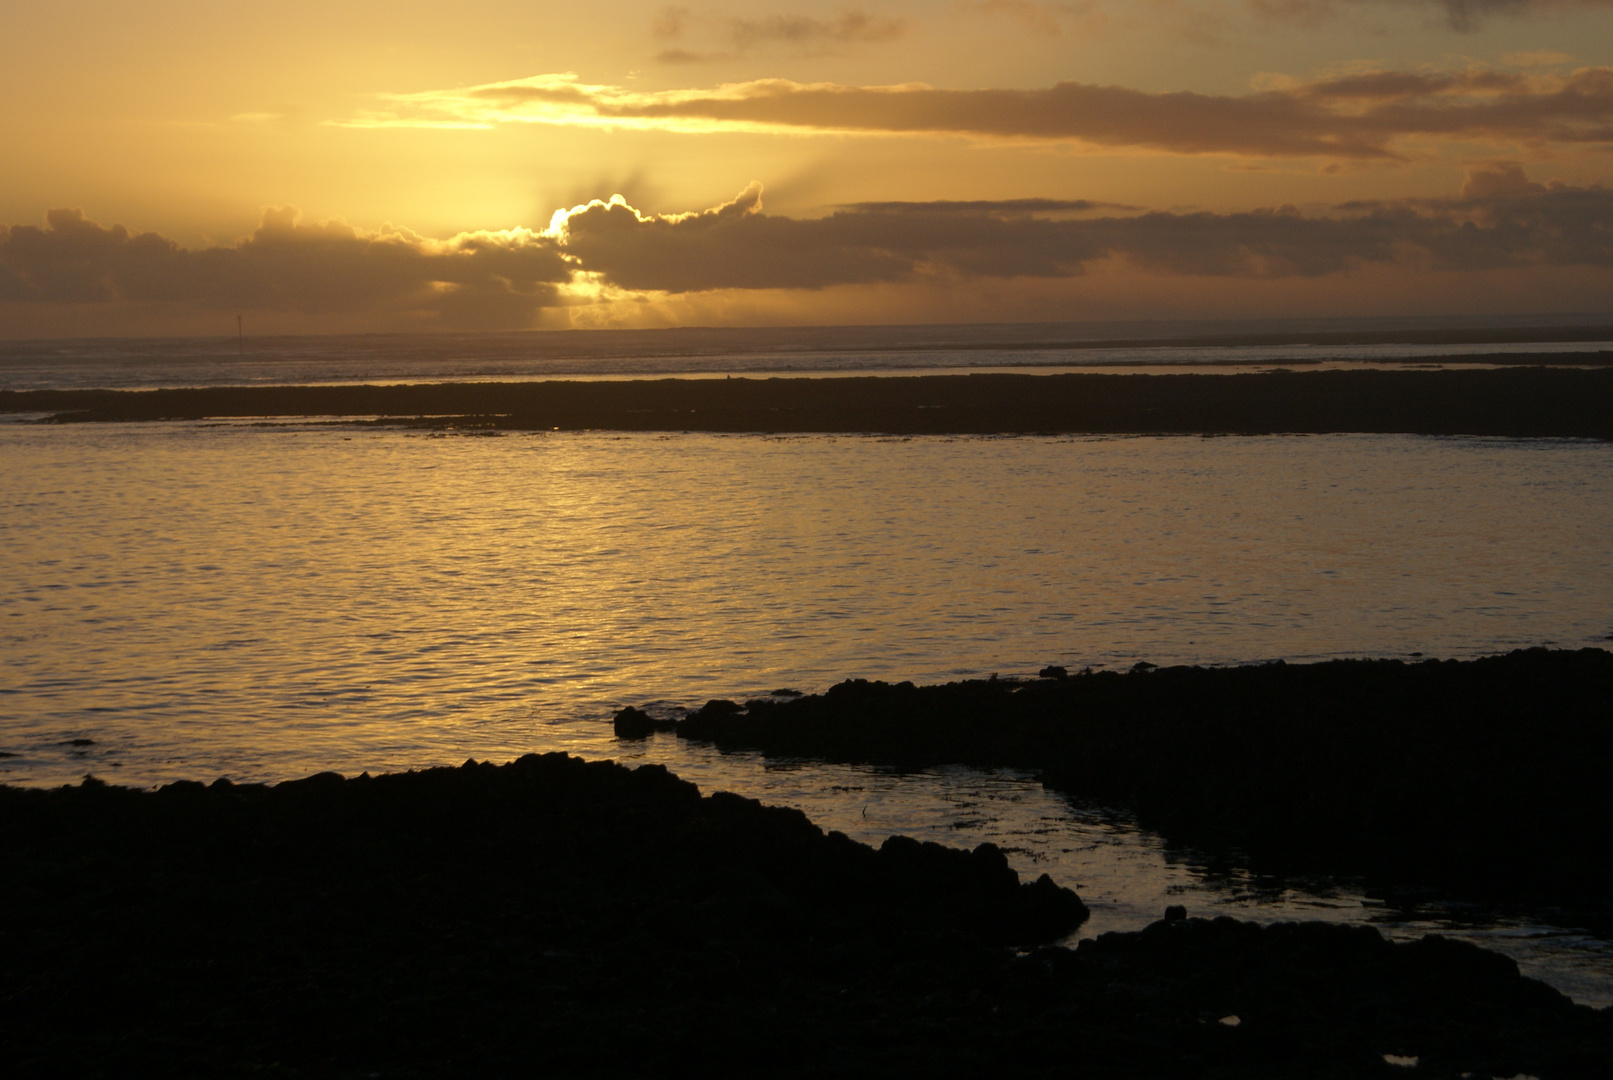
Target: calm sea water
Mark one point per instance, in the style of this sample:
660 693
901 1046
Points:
138 363
264 602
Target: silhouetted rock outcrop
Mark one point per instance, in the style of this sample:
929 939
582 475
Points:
1343 993
633 723
556 917
1487 775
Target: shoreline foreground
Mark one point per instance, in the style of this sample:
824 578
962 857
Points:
1519 401
552 916
1486 777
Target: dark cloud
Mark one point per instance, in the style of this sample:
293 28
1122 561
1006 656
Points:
1271 124
1212 21
739 35
1500 180
288 266
1362 116
1355 117
1468 15
730 246
1503 220
851 27
996 206
1460 15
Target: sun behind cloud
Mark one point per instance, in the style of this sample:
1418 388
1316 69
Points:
629 265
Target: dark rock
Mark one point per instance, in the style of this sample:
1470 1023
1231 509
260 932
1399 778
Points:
1348 767
716 718
1532 401
325 781
1050 910
633 723
471 921
1053 671
1002 908
1175 913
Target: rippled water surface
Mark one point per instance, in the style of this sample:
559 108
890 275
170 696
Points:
190 600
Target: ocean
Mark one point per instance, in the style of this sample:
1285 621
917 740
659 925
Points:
142 363
268 600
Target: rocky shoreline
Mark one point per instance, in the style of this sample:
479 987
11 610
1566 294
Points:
1523 400
1487 776
561 917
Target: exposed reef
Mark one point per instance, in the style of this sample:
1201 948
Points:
556 917
1489 776
1515 401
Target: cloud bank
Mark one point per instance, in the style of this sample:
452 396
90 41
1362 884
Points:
1502 221
1212 21
1460 15
481 279
1356 117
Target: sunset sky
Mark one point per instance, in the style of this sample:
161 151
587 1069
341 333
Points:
343 166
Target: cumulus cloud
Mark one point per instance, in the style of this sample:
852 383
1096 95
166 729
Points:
734 245
1502 220
738 35
1363 116
480 278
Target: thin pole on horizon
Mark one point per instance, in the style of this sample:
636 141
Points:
240 336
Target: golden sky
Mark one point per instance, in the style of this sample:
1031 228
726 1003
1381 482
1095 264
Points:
374 166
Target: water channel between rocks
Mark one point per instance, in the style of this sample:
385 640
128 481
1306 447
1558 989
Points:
1125 874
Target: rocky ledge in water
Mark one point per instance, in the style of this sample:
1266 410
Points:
1489 775
552 916
1520 401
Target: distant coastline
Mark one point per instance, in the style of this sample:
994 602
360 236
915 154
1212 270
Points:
1132 333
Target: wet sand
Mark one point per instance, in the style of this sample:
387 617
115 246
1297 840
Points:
1526 400
552 916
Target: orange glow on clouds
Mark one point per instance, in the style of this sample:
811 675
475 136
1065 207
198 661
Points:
987 160
606 262
1360 115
